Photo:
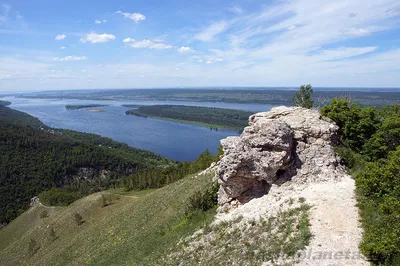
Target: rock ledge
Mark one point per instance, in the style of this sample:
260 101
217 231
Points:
285 144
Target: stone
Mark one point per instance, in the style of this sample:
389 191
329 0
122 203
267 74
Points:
285 144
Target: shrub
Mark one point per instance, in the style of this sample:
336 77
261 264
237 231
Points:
371 148
205 199
78 219
33 247
106 200
44 214
52 235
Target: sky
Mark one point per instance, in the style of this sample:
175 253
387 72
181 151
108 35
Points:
50 45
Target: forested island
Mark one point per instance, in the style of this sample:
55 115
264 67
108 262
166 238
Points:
4 103
83 106
132 105
206 116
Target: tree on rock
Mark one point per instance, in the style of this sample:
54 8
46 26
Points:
303 97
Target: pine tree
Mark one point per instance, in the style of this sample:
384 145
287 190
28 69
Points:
303 97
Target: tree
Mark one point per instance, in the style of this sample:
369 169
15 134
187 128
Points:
303 98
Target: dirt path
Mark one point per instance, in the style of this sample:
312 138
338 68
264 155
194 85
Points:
334 224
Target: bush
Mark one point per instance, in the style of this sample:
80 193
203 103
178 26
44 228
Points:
44 214
33 247
205 199
379 200
106 200
78 219
371 148
52 235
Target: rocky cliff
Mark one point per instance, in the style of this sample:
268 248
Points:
283 157
285 144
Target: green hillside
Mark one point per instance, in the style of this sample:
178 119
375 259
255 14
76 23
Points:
150 227
34 157
135 229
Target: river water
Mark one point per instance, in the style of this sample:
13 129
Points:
175 140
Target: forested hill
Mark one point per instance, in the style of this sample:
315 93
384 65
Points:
34 157
4 103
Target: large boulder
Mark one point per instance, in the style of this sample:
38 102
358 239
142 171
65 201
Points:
285 144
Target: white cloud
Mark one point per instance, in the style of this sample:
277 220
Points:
342 52
146 44
63 47
185 49
137 17
210 32
357 32
212 60
97 38
127 40
236 9
70 58
100 21
60 37
84 70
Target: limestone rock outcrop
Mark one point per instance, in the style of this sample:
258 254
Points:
285 144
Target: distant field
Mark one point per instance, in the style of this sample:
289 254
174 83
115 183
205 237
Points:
206 116
76 107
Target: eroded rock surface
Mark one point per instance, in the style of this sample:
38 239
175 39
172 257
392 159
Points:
285 144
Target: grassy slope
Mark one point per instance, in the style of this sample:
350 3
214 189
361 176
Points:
135 230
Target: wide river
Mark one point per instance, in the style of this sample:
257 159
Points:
179 141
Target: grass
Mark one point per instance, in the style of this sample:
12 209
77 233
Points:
240 242
136 229
150 227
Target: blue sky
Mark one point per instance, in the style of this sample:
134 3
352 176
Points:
154 44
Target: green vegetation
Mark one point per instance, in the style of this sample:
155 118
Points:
204 199
240 242
59 196
4 103
78 219
207 116
35 158
303 97
156 177
137 229
83 106
132 105
371 149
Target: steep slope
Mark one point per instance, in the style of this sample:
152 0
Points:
282 164
34 157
